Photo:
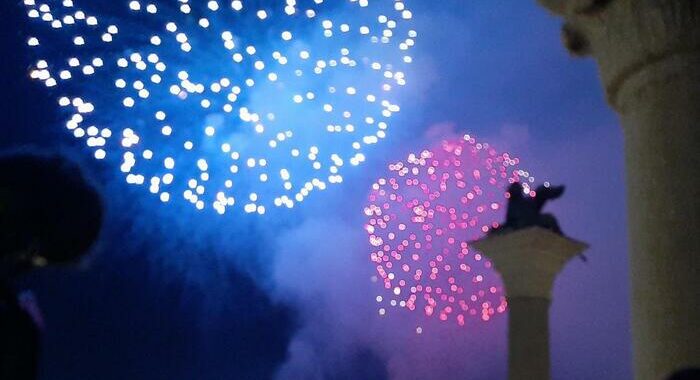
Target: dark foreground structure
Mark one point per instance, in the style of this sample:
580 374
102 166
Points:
648 53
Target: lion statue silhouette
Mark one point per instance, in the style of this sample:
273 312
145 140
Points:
525 210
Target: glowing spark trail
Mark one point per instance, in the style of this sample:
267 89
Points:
246 103
421 218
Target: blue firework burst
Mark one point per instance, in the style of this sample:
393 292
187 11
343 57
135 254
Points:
243 104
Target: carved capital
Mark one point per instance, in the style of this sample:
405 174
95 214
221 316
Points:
529 259
630 37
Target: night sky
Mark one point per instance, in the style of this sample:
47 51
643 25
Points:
175 294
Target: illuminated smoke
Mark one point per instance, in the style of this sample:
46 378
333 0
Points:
242 104
422 217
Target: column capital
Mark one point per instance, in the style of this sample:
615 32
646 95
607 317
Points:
637 43
529 259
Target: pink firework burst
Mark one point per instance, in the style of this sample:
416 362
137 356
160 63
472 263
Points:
422 217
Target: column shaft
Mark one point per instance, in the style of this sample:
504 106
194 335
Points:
529 260
648 52
662 137
528 335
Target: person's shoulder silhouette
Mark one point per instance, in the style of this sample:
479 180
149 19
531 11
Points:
19 346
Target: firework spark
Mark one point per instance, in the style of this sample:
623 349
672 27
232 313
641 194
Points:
421 219
245 103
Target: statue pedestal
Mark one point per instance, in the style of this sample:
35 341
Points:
529 261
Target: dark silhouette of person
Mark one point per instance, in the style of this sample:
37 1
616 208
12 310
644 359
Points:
49 215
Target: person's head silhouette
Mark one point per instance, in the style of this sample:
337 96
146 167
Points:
49 213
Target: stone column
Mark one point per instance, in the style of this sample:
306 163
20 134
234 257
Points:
648 52
529 261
